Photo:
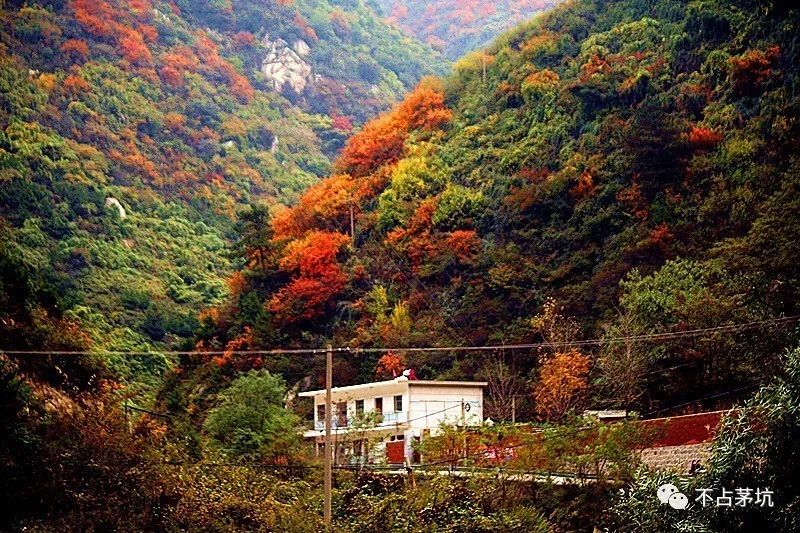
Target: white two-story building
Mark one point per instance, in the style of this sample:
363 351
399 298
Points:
381 421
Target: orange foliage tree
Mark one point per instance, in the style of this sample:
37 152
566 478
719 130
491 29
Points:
390 364
96 16
703 138
585 188
415 239
317 277
325 205
562 386
102 20
75 84
134 48
381 141
243 39
753 68
233 357
208 51
76 49
463 244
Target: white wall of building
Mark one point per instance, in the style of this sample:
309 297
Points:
426 405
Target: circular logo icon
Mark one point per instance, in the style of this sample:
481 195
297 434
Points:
678 501
665 491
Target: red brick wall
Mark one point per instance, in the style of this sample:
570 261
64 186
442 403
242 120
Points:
683 430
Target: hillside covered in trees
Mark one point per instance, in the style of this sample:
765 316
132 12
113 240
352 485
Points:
131 133
457 27
612 169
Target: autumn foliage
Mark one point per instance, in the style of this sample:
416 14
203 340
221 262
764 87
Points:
754 68
104 20
703 138
324 205
316 276
390 365
458 27
76 48
381 141
562 386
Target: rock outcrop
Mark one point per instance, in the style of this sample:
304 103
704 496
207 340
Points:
113 203
284 66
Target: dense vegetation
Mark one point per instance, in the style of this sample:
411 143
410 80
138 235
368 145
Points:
131 132
611 169
457 27
629 164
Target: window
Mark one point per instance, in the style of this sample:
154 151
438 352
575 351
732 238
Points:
359 407
321 412
342 418
398 403
379 405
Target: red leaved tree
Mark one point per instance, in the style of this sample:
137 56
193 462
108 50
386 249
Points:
390 365
317 277
381 141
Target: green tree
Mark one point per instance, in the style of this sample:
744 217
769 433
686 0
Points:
756 447
250 421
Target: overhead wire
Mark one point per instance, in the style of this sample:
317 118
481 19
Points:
448 460
589 428
313 351
669 335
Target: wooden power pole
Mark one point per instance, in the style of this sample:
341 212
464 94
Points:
514 409
328 482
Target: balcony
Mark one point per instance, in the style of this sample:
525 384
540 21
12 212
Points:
336 423
387 419
393 418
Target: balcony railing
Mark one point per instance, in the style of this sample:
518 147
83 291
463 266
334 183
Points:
387 419
335 423
393 418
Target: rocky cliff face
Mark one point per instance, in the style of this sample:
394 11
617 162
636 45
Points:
285 66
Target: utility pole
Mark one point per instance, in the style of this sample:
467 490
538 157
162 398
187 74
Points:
328 467
464 427
412 481
514 409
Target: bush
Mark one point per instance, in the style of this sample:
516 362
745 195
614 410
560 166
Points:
250 421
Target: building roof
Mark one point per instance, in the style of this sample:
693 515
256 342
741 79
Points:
410 382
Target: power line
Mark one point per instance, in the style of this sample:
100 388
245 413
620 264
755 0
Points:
544 438
711 397
146 411
585 428
596 341
312 351
276 351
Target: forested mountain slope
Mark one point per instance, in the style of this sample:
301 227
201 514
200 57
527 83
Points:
460 26
132 131
612 169
635 161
